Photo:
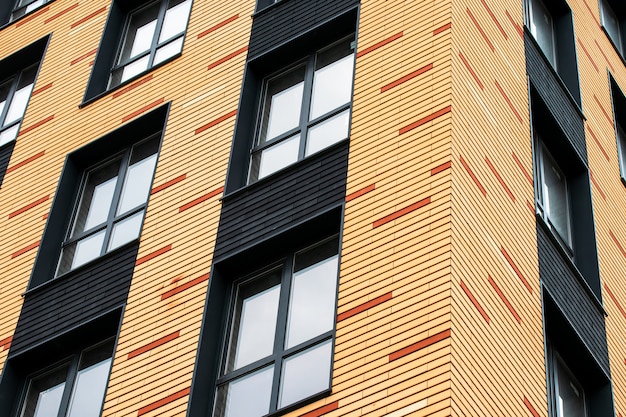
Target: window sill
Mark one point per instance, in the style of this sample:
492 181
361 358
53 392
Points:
617 51
556 75
70 274
572 266
88 101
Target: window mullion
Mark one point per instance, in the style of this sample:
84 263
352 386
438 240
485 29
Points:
69 386
157 32
306 104
116 199
9 100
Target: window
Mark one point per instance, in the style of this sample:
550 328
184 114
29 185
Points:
279 348
305 109
74 388
619 115
542 28
14 95
621 149
111 206
553 195
569 394
613 23
23 7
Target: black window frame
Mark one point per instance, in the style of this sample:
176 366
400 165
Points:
554 359
618 10
618 100
15 79
16 9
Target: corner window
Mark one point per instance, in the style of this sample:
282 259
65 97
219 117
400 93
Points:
613 23
304 109
542 28
280 342
74 388
14 95
23 7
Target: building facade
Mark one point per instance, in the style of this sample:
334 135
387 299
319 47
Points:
312 208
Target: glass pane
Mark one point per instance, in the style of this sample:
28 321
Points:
283 101
126 230
611 24
175 20
304 374
254 325
542 29
168 51
91 381
4 93
140 33
555 202
136 188
97 197
34 5
248 396
134 68
18 104
570 401
276 157
332 85
330 131
621 143
44 394
87 249
8 135
312 302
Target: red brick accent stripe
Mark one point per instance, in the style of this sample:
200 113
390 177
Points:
442 29
595 183
360 192
592 14
516 269
379 44
42 89
32 16
603 111
530 207
604 55
500 180
495 20
200 199
508 101
227 57
619 246
219 25
25 161
425 120
84 56
505 300
473 176
89 16
153 255
401 213
154 344
475 302
617 304
406 78
322 410
132 86
183 287
6 342
24 250
595 139
588 55
440 168
471 71
530 407
480 29
215 122
35 125
521 167
143 109
28 207
366 306
517 27
162 402
45 216
420 345
61 13
168 184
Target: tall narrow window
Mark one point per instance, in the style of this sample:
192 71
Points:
542 28
621 147
304 109
279 346
613 23
14 95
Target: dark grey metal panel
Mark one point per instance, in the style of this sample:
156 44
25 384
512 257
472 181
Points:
281 201
5 156
585 316
290 18
73 299
558 100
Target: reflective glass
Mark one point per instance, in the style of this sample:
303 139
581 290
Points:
89 388
97 197
175 20
136 188
621 143
8 135
278 156
44 394
556 202
134 68
542 28
140 32
611 24
34 5
305 374
332 86
248 396
312 302
87 249
283 103
570 399
18 104
4 93
168 51
328 132
126 230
